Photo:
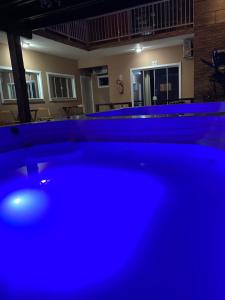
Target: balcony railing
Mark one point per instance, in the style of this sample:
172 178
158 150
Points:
149 19
76 30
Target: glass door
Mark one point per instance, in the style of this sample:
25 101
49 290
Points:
138 88
149 87
156 86
173 84
161 86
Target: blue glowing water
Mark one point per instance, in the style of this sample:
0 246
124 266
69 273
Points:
112 221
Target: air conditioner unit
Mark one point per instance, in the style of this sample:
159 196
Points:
100 71
188 51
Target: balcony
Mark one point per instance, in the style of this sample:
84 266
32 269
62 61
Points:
138 22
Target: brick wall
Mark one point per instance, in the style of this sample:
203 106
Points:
209 35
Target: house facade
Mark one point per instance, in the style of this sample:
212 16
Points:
147 55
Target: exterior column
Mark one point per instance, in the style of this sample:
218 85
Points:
19 77
209 35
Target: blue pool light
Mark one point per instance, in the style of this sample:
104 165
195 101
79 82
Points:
17 201
24 206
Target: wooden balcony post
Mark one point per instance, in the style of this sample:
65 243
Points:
19 77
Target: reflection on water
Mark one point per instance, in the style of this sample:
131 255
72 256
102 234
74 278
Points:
32 168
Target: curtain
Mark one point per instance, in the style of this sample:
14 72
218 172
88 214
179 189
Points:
147 88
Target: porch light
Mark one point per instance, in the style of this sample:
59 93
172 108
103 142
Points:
139 49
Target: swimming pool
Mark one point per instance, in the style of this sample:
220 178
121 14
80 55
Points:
113 209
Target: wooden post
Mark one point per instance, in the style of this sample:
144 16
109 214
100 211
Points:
19 77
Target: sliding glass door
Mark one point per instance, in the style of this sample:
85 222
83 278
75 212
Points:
173 84
156 86
148 87
138 88
161 86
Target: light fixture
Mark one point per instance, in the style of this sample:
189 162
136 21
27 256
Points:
139 49
25 45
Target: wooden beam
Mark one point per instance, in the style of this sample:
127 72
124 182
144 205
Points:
19 77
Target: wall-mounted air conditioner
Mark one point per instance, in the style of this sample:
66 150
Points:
100 71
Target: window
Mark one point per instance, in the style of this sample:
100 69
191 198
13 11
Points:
8 89
11 91
61 87
31 89
103 81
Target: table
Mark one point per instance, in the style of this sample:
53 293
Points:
112 105
34 113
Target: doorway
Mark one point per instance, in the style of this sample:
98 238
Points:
87 94
156 85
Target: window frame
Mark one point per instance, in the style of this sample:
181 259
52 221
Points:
39 85
30 83
65 76
154 67
9 86
102 86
